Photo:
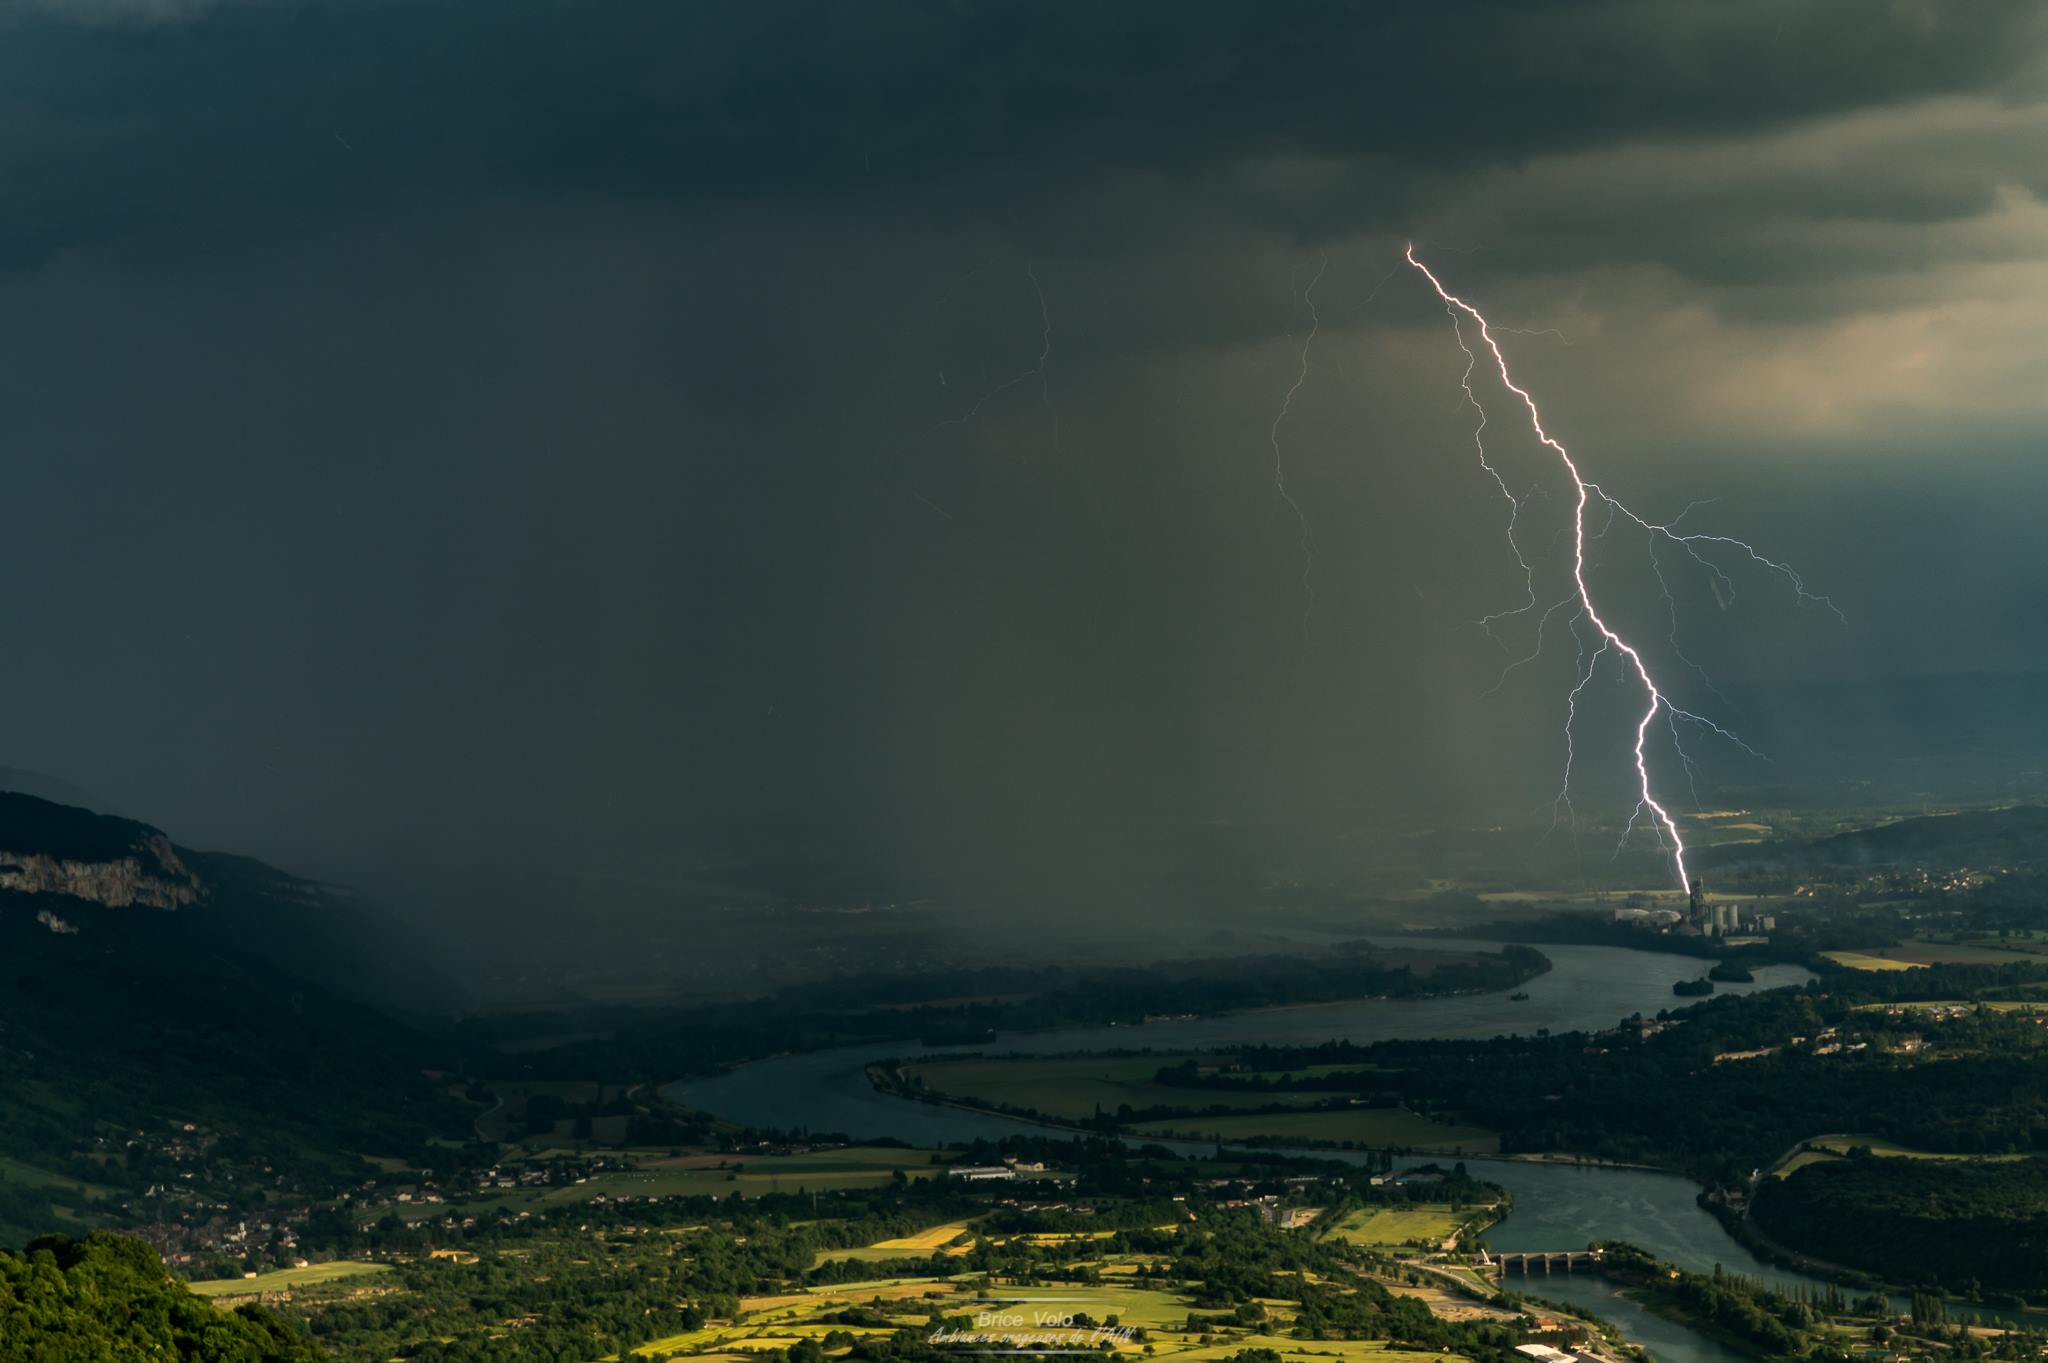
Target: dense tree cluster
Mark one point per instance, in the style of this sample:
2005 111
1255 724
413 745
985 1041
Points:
1955 1224
107 1299
1663 1097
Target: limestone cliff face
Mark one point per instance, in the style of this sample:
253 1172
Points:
152 876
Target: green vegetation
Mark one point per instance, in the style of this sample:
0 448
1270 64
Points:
1956 1224
1064 1088
1196 1097
1163 1253
106 1299
1429 1224
284 1279
1726 1086
514 1189
1822 1149
1374 1128
1821 1324
1869 960
1913 955
121 1035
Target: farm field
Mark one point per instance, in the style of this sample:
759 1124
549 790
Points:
1315 1071
284 1278
1448 1304
743 1176
927 1241
1823 1148
766 1323
774 1323
1430 1224
1863 960
1359 1126
1075 1088
1910 955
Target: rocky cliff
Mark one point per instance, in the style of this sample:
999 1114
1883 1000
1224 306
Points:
49 848
154 877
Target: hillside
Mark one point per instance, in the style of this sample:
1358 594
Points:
163 1048
1998 837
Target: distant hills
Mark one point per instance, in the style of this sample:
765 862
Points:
61 855
2001 837
44 786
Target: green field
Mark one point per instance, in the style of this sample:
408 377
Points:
744 1176
1862 960
931 1240
289 1277
768 1323
1841 1145
1315 1072
1075 1088
1912 955
1824 1148
1372 1126
1430 1224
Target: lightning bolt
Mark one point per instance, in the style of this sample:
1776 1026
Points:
1036 371
1655 703
1308 554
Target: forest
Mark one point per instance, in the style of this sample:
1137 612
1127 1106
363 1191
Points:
107 1299
1959 1225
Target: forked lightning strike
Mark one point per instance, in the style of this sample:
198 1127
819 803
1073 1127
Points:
1657 703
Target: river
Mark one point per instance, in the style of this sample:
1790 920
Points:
1557 1206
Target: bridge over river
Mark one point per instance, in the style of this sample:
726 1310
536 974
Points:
1527 1262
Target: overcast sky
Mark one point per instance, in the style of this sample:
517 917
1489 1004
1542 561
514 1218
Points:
442 431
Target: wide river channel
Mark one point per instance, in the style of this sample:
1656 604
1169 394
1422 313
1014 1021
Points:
1556 1206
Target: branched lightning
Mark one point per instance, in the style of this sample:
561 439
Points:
1648 808
1036 371
1514 503
1308 549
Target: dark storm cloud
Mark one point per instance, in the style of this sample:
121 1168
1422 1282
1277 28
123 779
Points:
473 432
179 124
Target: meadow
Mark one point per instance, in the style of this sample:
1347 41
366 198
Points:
1390 1227
1822 1149
660 1174
1916 954
286 1278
